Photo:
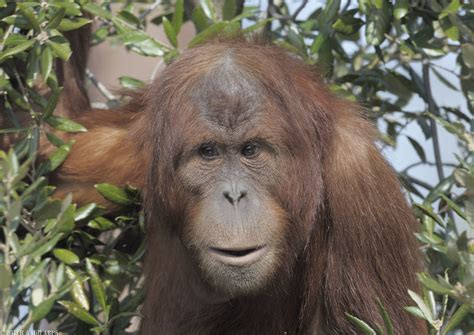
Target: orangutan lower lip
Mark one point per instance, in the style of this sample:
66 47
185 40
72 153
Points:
238 257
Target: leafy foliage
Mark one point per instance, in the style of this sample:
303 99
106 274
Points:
80 269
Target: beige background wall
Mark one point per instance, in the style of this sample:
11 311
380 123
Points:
108 62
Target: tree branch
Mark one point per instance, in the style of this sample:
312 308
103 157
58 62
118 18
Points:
299 9
102 89
433 109
150 9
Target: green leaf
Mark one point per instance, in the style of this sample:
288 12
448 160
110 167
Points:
347 25
428 211
56 158
66 256
361 325
444 80
378 23
30 16
458 129
422 306
46 209
101 223
22 170
452 8
58 278
5 276
46 62
418 148
451 31
128 17
72 9
296 39
415 311
17 49
257 26
457 318
62 50
40 311
199 19
96 10
56 19
64 124
80 313
207 34
8 10
65 223
454 207
98 287
248 11
229 9
468 54
14 40
31 274
84 211
178 15
46 246
73 24
138 40
115 194
169 31
442 187
54 140
77 291
329 12
209 9
129 82
132 302
51 105
401 9
386 318
464 178
433 284
32 66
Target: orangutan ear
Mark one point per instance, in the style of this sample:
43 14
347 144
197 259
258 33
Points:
372 248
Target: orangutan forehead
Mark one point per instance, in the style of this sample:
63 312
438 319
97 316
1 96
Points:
228 96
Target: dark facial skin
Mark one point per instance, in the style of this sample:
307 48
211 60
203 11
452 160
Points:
237 224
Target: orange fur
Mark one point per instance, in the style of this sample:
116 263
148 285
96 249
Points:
342 197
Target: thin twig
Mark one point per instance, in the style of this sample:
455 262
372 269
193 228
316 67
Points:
150 9
426 163
141 17
20 321
157 69
7 33
418 182
452 310
299 9
346 7
433 109
269 14
445 69
21 87
102 89
272 12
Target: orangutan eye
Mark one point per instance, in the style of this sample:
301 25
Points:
208 151
250 150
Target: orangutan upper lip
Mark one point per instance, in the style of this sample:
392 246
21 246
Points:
238 256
